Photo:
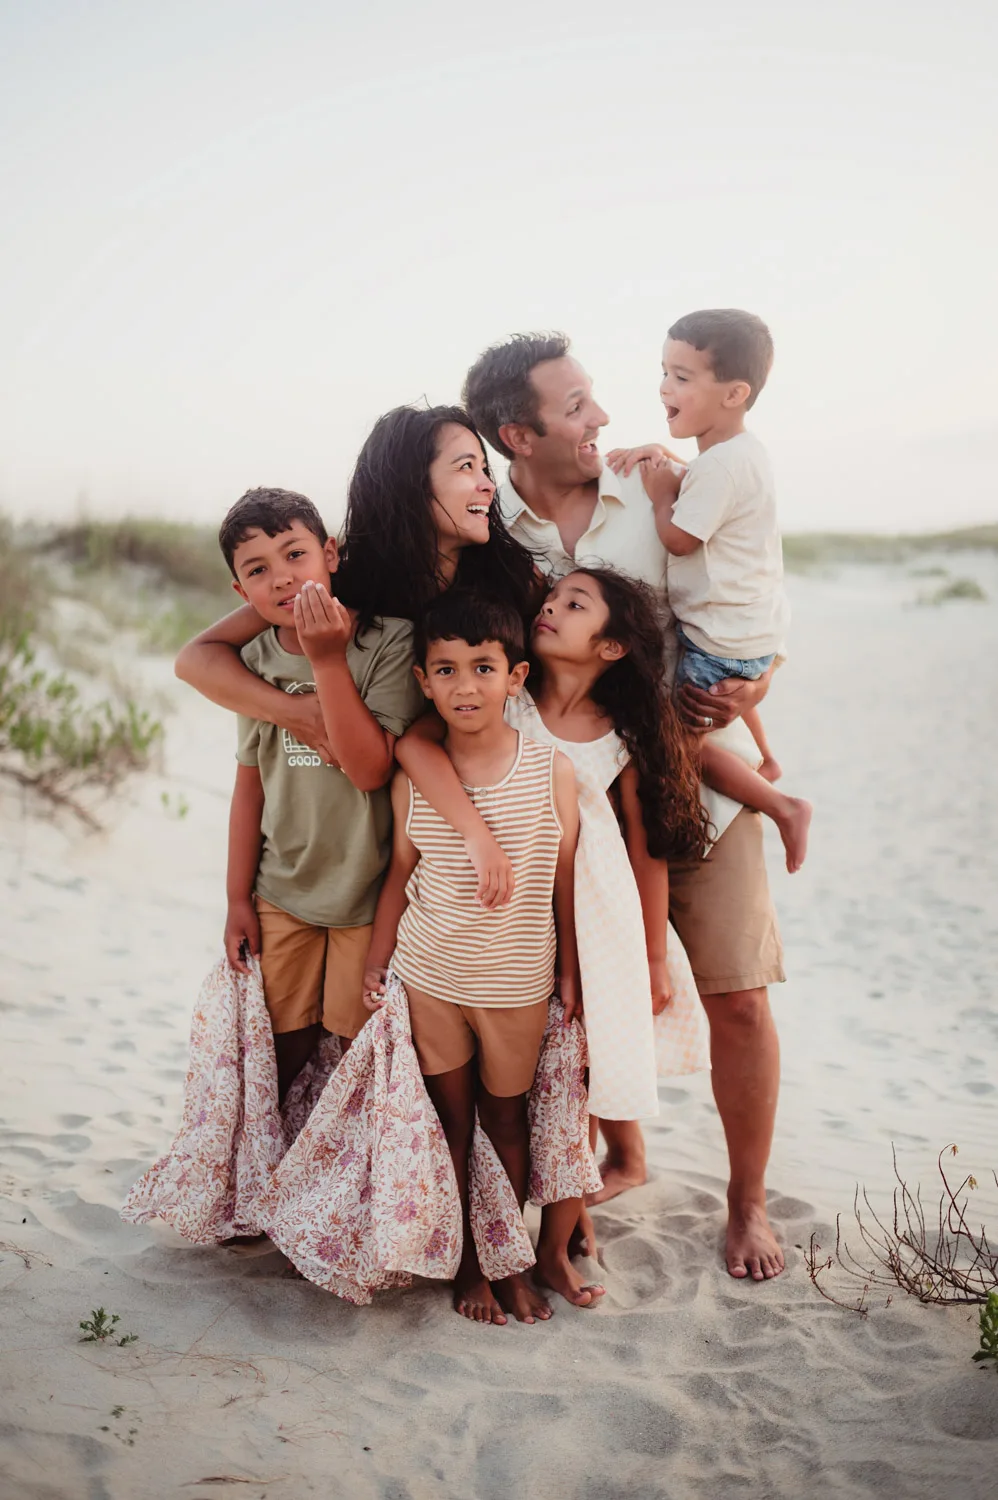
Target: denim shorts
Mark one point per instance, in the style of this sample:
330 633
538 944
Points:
702 670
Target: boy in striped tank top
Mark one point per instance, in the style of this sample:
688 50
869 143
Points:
478 980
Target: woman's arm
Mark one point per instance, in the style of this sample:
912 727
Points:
392 901
210 663
421 755
242 925
652 879
566 801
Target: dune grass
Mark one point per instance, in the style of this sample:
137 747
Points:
808 549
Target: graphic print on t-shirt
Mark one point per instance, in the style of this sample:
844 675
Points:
298 754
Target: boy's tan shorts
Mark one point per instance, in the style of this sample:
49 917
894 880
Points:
312 974
507 1039
724 914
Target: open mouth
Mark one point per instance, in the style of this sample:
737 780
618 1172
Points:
672 412
589 449
288 603
478 510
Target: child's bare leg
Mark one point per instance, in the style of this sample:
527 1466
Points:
728 773
624 1165
505 1123
293 1050
770 770
453 1097
559 1222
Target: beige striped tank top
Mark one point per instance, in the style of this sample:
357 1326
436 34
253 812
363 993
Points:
451 947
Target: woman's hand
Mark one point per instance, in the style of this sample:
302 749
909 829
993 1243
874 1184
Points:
242 933
323 624
568 987
375 993
661 988
493 868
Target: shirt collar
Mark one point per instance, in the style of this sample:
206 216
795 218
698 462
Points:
611 487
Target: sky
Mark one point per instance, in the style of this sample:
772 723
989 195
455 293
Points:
236 233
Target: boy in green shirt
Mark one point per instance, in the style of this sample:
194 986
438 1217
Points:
309 842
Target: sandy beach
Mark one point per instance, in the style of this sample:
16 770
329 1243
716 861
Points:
246 1381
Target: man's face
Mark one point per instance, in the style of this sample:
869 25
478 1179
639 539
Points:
270 570
571 419
469 685
693 397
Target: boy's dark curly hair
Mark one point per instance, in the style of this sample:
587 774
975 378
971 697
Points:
632 694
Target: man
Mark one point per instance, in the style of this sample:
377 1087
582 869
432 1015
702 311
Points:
534 404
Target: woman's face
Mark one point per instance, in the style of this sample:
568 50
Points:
461 488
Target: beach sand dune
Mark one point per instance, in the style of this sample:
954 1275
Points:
247 1381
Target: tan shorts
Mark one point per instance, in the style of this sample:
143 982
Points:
507 1039
724 914
312 974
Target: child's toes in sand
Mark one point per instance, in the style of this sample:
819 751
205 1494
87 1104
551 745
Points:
793 818
473 1299
558 1274
582 1240
521 1298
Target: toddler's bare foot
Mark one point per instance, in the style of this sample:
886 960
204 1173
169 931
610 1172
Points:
557 1272
750 1247
473 1298
794 821
521 1298
618 1179
770 770
582 1240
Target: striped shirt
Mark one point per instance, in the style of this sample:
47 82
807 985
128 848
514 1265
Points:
451 947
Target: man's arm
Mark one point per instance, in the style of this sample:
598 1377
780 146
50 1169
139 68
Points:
392 901
210 663
361 747
566 801
421 755
652 879
242 925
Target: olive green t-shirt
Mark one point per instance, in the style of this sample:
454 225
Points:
326 844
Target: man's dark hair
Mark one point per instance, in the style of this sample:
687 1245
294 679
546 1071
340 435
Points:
460 615
497 388
738 344
270 511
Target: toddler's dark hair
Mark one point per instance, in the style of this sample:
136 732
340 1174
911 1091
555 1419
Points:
739 344
498 389
269 511
460 615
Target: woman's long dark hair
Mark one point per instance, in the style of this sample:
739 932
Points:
390 561
633 696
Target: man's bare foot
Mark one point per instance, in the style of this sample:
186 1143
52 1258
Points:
557 1272
617 1180
519 1296
473 1298
750 1247
770 769
582 1240
793 821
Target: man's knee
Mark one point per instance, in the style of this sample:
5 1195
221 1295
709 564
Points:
742 1009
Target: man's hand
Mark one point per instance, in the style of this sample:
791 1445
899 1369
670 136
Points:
494 870
661 988
726 701
242 933
374 987
322 623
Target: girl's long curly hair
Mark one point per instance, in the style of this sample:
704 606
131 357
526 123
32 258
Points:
390 562
633 696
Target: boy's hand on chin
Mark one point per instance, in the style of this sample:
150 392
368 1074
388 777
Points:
242 933
323 624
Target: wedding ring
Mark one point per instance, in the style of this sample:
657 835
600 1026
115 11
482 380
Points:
708 722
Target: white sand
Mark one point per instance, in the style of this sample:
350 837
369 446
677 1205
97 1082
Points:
684 1383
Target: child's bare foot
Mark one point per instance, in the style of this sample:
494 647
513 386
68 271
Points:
750 1247
520 1297
473 1298
793 820
770 770
617 1179
582 1240
557 1272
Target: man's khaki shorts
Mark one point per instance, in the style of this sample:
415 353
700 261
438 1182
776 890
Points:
507 1039
312 974
724 914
